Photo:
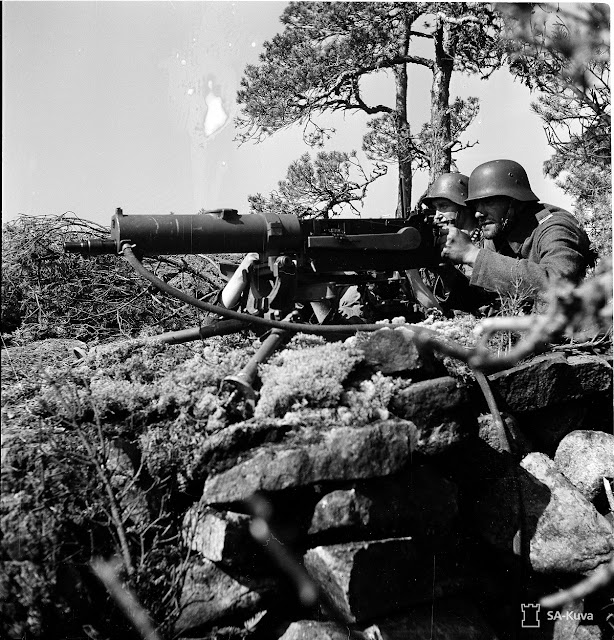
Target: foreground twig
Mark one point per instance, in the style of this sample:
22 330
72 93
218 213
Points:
601 577
260 529
308 590
107 573
569 308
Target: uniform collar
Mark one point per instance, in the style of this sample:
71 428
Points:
523 227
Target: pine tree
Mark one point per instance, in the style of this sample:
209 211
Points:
563 53
316 65
319 188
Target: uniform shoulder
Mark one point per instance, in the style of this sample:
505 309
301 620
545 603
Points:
548 215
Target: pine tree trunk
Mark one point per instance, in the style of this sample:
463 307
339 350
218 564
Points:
441 150
404 152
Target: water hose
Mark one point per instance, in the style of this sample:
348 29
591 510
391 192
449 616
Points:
294 327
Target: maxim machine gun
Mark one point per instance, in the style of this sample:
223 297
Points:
294 273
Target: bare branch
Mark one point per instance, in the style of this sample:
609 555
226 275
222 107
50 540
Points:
107 572
601 577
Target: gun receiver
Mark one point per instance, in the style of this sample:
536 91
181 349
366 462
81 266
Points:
341 244
289 261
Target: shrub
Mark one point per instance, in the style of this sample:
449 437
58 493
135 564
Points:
49 294
97 461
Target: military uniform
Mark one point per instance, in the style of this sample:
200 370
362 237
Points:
545 245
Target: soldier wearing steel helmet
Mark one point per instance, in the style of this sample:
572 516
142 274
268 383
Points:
446 196
445 200
527 245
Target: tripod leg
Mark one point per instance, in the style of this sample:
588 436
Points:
242 383
422 293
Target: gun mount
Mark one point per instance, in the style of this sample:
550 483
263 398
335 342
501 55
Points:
291 267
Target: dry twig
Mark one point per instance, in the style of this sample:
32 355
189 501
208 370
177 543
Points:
107 573
601 577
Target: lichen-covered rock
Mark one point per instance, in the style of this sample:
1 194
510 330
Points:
551 379
367 580
394 352
574 623
489 433
584 458
312 376
210 595
316 630
420 502
440 410
534 509
316 455
222 449
570 535
221 536
548 426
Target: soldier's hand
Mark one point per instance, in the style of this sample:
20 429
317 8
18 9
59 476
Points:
441 235
458 247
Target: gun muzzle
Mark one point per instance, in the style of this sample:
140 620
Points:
91 247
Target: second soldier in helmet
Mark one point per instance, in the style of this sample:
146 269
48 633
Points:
446 197
527 247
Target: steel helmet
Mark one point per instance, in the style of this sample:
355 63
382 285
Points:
500 178
452 186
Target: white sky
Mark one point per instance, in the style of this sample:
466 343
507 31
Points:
130 104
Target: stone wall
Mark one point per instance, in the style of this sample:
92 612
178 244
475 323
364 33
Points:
419 525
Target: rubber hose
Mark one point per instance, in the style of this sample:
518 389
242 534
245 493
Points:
296 327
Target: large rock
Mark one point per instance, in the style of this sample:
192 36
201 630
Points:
340 453
547 427
570 535
557 529
584 458
489 432
221 536
551 379
440 410
421 502
316 630
223 449
211 596
572 622
394 352
366 580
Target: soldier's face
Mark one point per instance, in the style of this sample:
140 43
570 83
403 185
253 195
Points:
492 214
445 210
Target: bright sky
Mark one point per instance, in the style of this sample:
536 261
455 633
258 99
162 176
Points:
131 104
